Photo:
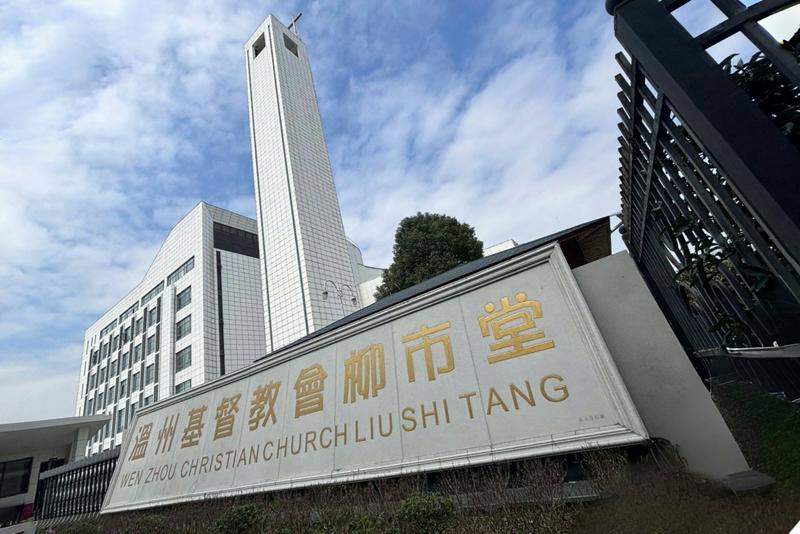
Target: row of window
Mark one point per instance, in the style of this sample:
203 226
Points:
108 328
114 393
150 295
152 316
116 366
180 271
183 360
183 386
130 311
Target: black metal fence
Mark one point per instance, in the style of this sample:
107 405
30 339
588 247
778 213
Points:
710 188
76 489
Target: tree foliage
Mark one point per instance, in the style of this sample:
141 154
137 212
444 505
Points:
775 94
425 245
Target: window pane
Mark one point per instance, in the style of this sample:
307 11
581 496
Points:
183 327
184 298
183 359
16 477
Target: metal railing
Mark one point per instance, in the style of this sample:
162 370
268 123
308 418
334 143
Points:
76 489
710 190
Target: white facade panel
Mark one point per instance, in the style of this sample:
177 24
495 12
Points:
120 377
304 249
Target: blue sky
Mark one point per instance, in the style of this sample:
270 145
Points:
120 115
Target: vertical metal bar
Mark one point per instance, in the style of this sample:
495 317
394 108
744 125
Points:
749 148
658 116
782 59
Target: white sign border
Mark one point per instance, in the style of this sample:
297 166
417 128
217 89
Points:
632 430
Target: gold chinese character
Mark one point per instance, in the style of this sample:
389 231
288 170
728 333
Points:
425 345
194 428
513 327
140 443
308 390
364 373
226 412
167 433
262 406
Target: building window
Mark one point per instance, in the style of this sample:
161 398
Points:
291 46
100 404
151 344
149 374
148 400
124 364
153 292
111 399
183 298
108 328
137 329
130 311
137 353
114 343
152 316
259 46
183 327
180 271
135 382
183 386
15 476
113 368
123 384
120 419
183 359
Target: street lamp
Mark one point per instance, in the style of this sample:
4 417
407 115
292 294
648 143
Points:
340 293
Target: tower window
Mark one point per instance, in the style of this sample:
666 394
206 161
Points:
290 45
259 45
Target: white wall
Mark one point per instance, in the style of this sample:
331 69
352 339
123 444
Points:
670 397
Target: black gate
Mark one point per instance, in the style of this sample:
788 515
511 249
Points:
76 489
710 185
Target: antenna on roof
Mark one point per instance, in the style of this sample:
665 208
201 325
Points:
293 24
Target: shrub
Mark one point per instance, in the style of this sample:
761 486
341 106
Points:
425 512
365 524
80 527
146 524
241 518
767 429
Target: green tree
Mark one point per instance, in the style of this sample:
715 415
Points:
767 86
425 245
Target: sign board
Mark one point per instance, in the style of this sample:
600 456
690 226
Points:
502 364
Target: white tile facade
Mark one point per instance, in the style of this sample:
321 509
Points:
242 310
140 366
275 280
304 259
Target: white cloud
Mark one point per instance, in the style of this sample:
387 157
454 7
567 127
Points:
111 110
520 145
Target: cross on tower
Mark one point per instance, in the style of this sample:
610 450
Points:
293 23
